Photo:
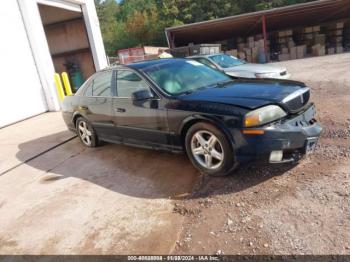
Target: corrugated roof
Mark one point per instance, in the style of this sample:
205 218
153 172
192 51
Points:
310 13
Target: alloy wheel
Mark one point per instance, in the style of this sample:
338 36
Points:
207 149
84 133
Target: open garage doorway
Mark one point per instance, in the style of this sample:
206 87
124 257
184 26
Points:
68 43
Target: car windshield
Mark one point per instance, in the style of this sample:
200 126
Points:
182 76
226 61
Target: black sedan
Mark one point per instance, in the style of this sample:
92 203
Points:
181 105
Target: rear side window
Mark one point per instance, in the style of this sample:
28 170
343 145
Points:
100 85
129 82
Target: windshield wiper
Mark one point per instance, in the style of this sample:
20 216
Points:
217 84
223 83
186 92
193 90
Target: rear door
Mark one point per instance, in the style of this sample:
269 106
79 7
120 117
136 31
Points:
142 121
96 105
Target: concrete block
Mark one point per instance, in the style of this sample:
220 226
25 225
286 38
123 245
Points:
293 53
318 50
285 50
233 52
301 49
291 44
283 57
300 55
308 30
281 33
289 32
331 51
338 32
339 25
241 46
241 55
319 39
316 28
258 37
249 58
248 51
339 49
261 43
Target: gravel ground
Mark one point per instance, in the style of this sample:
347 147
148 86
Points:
287 209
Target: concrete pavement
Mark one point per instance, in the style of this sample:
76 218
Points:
75 200
49 127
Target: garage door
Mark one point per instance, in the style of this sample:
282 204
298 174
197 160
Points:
20 88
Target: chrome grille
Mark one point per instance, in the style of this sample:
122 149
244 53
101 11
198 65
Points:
297 100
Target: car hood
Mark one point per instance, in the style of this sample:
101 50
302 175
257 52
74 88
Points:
252 94
256 68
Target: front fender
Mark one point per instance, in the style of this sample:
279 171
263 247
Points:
214 120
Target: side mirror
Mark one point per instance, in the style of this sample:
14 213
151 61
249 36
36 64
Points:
143 94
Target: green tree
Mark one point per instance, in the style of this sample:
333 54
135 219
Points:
189 11
106 12
128 7
142 22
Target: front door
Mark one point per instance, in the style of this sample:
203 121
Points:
138 121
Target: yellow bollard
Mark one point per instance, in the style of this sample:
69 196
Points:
59 87
66 84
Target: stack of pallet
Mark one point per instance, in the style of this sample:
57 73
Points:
317 41
294 52
294 43
335 38
285 45
250 49
233 52
318 50
285 39
311 40
346 35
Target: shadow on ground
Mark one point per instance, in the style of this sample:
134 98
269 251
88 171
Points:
246 176
138 172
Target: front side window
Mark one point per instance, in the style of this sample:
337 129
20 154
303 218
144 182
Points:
100 85
129 82
206 62
181 76
226 61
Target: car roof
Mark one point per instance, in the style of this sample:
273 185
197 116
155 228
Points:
150 63
195 56
145 64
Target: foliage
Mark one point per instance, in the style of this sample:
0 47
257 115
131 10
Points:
131 23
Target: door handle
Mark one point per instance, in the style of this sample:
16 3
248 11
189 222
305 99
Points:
120 110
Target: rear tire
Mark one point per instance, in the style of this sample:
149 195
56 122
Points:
86 133
209 150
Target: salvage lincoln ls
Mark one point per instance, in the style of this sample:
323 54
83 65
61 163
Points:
182 105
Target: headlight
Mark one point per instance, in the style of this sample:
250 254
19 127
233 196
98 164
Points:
265 75
263 115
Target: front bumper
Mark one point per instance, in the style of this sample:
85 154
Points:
292 136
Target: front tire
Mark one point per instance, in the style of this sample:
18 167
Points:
209 150
86 133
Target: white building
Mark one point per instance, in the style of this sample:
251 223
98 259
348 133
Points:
39 38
